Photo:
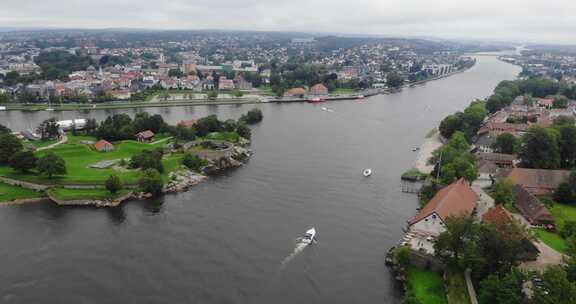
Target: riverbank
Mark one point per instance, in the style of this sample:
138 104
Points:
207 101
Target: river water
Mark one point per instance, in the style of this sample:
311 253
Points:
231 239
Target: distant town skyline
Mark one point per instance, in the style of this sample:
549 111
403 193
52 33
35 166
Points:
512 20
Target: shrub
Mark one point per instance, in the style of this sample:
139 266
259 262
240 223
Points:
113 184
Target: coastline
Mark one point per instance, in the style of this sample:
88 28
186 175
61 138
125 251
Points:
206 102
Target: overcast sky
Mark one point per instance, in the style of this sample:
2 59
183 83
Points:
519 20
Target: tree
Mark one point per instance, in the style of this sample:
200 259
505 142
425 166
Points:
560 102
502 193
23 161
557 288
4 98
564 193
175 73
148 160
9 145
540 148
253 116
4 130
451 243
207 125
394 80
238 94
244 131
49 129
113 184
567 143
192 162
505 289
506 143
51 164
151 182
402 256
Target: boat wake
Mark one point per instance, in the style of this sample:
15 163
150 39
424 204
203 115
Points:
300 246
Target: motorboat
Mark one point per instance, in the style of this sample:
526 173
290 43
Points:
309 237
416 149
367 172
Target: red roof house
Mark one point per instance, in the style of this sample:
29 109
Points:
454 200
103 146
319 89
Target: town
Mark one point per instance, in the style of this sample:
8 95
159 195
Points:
75 67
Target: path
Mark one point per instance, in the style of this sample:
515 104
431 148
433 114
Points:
547 257
63 140
23 184
485 201
161 140
430 144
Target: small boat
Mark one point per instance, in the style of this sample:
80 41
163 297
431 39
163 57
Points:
309 237
49 109
367 172
315 100
360 97
416 149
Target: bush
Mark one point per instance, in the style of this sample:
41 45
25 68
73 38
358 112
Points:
244 131
253 116
113 184
151 182
192 162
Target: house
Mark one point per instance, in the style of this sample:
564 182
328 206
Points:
499 216
536 181
504 222
484 143
187 123
531 207
295 92
145 136
500 159
103 146
457 199
121 93
225 84
318 89
241 83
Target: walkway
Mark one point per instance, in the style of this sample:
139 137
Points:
23 184
161 140
547 257
485 201
430 144
63 140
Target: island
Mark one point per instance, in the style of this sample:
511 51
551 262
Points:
83 162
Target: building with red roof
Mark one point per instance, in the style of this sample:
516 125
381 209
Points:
103 146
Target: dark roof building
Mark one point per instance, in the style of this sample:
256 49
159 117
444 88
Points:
531 207
145 136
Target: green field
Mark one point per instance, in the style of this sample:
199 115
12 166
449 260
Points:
456 288
551 239
79 157
10 193
427 286
77 194
561 213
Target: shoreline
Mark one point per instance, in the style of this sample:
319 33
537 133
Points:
207 102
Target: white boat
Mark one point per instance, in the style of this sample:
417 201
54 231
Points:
367 172
309 237
49 109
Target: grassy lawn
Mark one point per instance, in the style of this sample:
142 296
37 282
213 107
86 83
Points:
551 239
79 157
563 213
77 194
227 136
428 286
42 143
10 193
456 288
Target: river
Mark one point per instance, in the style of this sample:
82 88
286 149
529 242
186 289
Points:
225 240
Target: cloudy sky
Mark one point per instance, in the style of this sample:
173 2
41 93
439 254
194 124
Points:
551 21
